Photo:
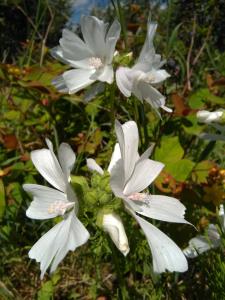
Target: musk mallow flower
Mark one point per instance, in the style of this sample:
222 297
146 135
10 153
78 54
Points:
130 174
50 202
205 116
211 240
145 76
215 120
90 58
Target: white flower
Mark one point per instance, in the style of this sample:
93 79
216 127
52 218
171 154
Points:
143 78
129 175
91 58
208 117
48 203
113 225
212 119
203 243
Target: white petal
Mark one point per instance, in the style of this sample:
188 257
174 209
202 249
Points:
111 39
167 109
201 244
76 80
58 53
123 82
50 147
159 76
167 256
60 84
93 166
106 75
163 208
66 158
43 197
148 48
128 138
144 174
46 247
115 157
145 91
48 166
147 152
53 246
94 32
75 236
117 178
73 47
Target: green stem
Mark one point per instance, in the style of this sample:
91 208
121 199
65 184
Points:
144 123
122 22
112 104
122 287
137 119
209 147
56 137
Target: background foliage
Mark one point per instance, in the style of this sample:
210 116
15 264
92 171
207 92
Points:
192 41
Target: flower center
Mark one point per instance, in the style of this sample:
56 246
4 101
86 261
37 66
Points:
95 62
150 78
59 207
139 197
146 77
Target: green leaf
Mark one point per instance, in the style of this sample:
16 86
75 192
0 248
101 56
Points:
80 185
197 99
169 151
46 291
181 169
2 199
92 108
173 39
19 166
191 125
201 171
12 115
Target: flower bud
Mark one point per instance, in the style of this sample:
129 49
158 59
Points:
207 117
112 224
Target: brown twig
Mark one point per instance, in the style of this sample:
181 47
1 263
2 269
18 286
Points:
187 86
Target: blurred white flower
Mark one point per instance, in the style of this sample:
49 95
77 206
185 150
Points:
145 76
211 239
48 203
212 119
130 174
91 57
113 225
207 117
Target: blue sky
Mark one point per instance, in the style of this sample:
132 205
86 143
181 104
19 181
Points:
84 7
